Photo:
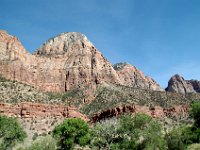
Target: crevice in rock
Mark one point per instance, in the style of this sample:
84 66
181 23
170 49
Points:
65 86
67 75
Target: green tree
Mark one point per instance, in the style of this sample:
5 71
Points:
195 113
141 132
72 131
176 138
10 132
152 137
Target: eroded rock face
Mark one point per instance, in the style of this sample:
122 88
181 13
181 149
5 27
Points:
11 48
15 62
179 85
155 112
32 110
133 77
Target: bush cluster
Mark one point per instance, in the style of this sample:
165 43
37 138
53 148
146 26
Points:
138 132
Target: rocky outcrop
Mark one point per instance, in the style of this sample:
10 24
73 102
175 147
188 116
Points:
37 118
179 85
65 62
155 112
133 77
34 110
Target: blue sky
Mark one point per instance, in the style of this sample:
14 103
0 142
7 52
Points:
160 37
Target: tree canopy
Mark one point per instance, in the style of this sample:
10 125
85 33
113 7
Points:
72 131
10 132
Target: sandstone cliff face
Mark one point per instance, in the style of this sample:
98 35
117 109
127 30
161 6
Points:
62 63
11 48
15 61
132 76
74 61
179 85
65 62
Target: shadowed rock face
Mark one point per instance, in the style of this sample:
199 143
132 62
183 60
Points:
65 62
179 85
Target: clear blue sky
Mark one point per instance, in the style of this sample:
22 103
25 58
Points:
160 37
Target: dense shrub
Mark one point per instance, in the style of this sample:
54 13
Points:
43 143
72 131
104 133
176 138
2 79
129 132
194 147
195 113
143 130
10 132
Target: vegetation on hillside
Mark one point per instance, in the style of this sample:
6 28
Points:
128 132
119 66
71 97
2 79
139 132
107 97
16 92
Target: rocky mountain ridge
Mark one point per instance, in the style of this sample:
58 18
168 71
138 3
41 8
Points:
70 61
65 62
179 85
